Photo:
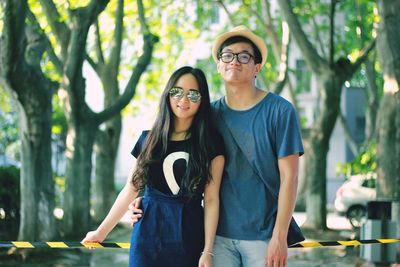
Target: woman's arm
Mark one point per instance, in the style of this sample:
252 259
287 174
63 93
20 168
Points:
120 206
211 208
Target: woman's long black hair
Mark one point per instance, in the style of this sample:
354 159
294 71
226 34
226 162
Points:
197 173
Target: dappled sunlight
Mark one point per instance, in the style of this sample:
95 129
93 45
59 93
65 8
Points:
390 86
58 213
70 143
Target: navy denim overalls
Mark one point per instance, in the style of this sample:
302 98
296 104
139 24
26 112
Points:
170 232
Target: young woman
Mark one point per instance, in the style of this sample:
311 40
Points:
178 160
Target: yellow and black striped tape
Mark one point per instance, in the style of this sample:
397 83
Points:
304 244
26 244
346 243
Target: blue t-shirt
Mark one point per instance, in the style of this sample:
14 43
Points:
265 132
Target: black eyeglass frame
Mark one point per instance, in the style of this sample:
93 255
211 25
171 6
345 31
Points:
237 57
178 93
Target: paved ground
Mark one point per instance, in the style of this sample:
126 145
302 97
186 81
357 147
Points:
329 256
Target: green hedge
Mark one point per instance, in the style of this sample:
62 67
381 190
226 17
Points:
9 201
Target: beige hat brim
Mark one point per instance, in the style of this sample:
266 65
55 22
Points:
240 31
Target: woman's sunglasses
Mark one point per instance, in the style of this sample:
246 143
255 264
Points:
178 93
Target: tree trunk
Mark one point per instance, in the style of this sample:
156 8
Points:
388 145
373 101
318 150
388 45
37 186
107 141
77 185
21 50
106 149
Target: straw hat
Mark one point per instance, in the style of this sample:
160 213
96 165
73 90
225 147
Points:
240 31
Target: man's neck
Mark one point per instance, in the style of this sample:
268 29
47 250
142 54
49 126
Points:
242 97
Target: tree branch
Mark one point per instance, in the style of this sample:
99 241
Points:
93 64
143 62
284 58
49 48
13 40
268 26
230 16
99 49
115 56
373 100
80 22
57 26
332 33
317 34
311 56
142 18
352 143
363 57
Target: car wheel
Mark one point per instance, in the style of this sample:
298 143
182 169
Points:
356 215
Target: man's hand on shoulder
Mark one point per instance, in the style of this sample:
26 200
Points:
135 211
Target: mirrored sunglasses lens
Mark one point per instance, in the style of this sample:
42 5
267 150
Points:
194 96
176 92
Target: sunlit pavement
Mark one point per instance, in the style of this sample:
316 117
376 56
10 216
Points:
334 221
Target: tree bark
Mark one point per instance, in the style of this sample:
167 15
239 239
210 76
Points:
106 148
21 50
316 159
77 186
388 149
373 101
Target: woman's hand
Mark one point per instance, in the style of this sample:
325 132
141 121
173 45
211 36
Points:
93 236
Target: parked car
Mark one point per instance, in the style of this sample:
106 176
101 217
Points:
352 197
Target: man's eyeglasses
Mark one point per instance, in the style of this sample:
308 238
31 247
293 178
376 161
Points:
178 93
242 57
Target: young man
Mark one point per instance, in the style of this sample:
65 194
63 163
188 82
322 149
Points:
263 144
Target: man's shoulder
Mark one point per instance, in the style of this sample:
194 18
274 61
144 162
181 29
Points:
278 101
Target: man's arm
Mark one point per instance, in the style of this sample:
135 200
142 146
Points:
277 248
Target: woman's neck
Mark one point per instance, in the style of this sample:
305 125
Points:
181 130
